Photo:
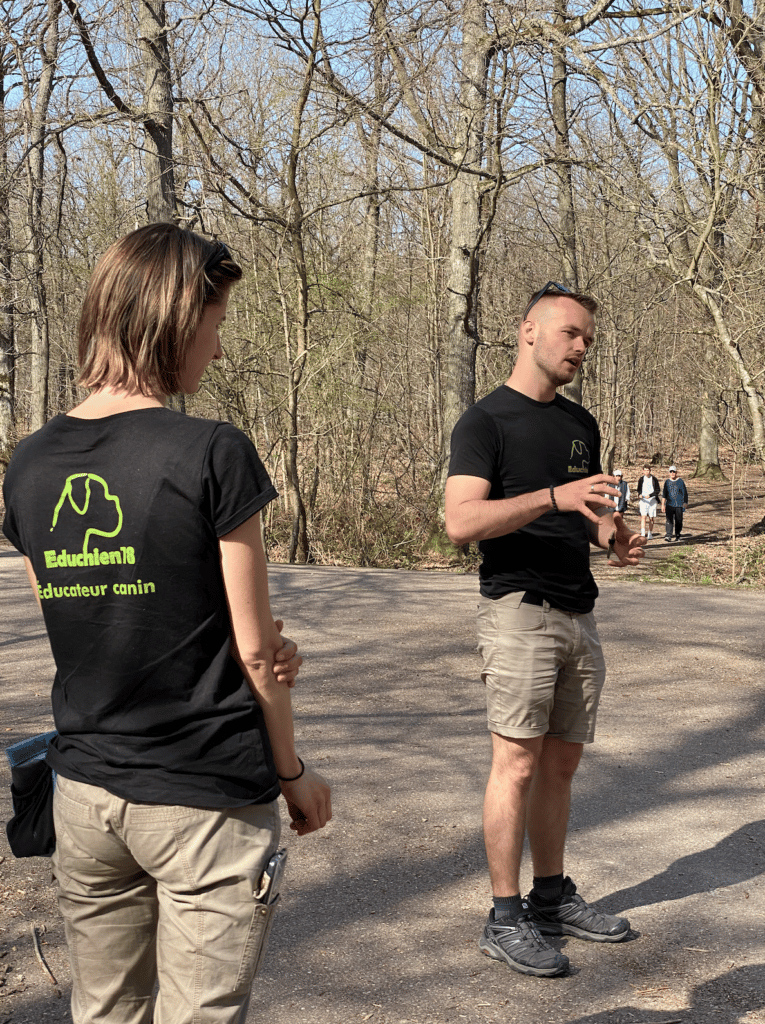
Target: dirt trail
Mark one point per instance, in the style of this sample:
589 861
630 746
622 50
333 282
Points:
384 908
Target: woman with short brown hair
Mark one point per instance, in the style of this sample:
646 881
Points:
140 531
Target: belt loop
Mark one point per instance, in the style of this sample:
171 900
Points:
545 606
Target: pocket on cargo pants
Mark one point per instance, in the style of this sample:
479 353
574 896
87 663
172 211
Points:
257 942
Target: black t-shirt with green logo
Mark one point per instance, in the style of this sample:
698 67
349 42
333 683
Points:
120 518
519 446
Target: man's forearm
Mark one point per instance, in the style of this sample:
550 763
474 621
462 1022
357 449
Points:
482 519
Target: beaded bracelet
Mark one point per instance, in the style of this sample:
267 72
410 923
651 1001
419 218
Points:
552 498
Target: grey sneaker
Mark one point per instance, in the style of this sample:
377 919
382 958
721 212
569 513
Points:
570 915
518 943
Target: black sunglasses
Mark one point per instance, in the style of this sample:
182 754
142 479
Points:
220 253
547 290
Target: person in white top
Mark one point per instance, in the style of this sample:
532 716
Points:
648 492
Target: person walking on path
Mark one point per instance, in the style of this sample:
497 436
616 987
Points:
674 502
525 481
622 502
648 493
140 530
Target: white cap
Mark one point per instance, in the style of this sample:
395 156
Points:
618 472
673 469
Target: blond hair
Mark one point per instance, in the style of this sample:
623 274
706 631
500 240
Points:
144 304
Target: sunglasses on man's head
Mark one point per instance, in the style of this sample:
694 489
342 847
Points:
220 253
547 290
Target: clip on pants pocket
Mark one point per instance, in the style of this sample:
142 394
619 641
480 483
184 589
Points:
257 941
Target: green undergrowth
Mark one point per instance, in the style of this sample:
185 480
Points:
400 534
721 564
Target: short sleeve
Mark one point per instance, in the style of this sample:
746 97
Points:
598 466
234 480
475 446
11 524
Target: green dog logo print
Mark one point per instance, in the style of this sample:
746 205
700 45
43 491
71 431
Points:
92 483
87 495
580 453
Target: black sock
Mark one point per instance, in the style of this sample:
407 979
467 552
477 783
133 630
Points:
549 888
507 906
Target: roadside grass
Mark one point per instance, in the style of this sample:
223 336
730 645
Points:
726 564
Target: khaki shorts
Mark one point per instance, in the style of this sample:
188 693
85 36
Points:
543 669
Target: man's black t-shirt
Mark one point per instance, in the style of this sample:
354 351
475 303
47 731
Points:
120 517
519 446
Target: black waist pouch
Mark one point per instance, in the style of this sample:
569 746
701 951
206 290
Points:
30 831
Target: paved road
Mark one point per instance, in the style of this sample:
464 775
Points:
385 906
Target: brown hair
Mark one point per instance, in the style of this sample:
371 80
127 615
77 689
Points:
587 301
144 303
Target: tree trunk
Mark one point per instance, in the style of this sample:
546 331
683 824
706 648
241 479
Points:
34 227
754 398
458 373
562 171
708 465
297 350
7 411
157 111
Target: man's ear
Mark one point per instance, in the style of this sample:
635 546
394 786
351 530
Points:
528 332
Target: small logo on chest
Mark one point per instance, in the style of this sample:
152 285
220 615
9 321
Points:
579 458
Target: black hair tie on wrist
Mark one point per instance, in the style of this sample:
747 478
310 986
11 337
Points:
294 777
552 498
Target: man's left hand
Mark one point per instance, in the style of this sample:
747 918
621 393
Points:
628 547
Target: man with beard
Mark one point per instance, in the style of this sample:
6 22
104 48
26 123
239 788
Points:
525 482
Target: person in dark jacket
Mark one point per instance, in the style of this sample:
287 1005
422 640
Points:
674 502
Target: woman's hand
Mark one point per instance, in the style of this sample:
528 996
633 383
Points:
309 802
287 661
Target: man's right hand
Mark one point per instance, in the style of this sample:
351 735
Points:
590 493
309 802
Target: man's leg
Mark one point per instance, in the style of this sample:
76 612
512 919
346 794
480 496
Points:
510 936
513 765
678 521
556 906
549 804
668 524
520 661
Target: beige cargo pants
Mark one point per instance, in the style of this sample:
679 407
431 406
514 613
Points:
154 894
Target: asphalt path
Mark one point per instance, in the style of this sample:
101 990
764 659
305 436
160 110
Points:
383 909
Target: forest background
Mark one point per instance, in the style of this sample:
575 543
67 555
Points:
397 179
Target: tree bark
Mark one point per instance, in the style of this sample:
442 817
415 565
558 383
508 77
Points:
562 171
458 374
7 411
754 398
157 111
297 344
34 226
708 464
